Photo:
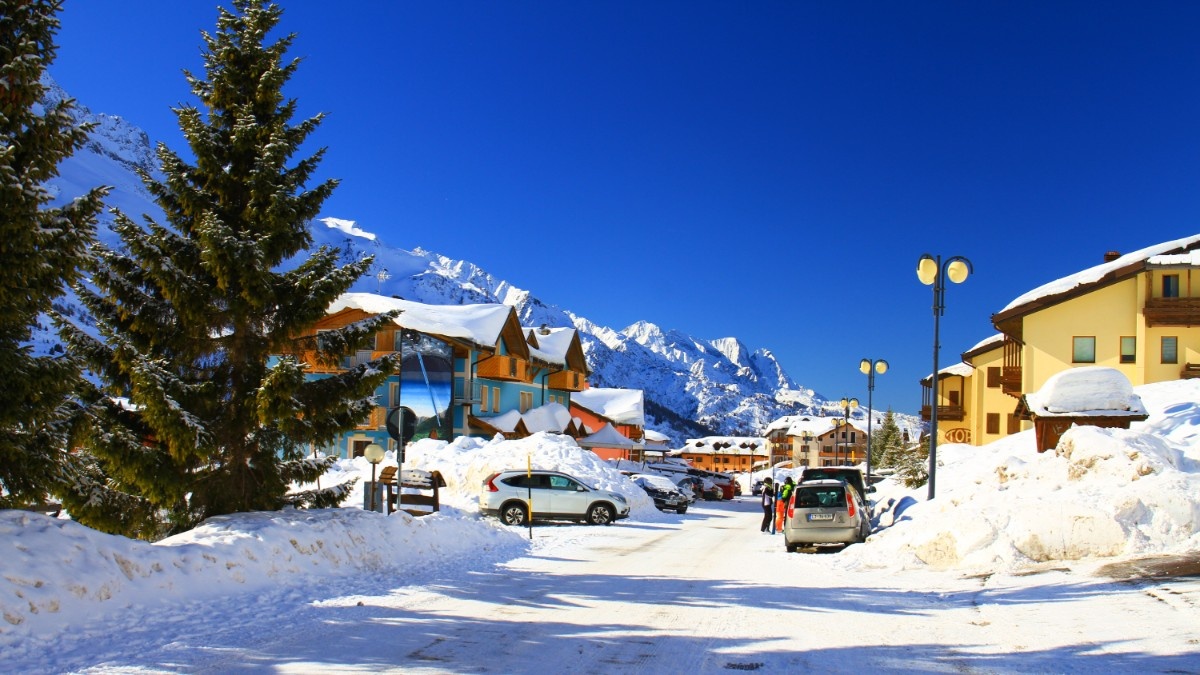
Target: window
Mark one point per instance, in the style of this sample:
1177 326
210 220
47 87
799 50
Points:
993 423
324 339
1083 350
1014 424
496 399
1128 350
526 401
993 377
1170 349
1170 286
483 398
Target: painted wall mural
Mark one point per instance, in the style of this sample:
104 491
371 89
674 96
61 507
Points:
423 394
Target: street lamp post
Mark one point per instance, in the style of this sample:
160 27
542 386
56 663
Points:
933 271
848 404
717 447
373 454
869 367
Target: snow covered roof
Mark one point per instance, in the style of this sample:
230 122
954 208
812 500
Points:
1189 259
984 345
817 426
655 438
622 406
552 343
552 417
1100 272
607 437
506 421
480 324
1087 391
961 369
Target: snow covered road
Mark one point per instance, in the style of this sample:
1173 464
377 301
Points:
705 592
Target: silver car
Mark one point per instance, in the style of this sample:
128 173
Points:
825 512
552 495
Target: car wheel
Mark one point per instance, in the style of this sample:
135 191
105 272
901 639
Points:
514 513
791 548
681 510
600 514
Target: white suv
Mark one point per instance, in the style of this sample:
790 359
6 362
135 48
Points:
552 495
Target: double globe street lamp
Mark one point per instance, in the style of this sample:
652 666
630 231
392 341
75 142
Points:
869 367
848 404
933 271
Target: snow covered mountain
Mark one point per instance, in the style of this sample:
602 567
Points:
693 387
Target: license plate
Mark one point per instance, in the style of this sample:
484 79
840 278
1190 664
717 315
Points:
820 516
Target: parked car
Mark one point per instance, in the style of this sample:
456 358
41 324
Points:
757 487
666 495
685 486
825 512
702 488
849 474
553 495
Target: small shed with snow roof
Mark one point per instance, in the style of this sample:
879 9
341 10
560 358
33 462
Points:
1091 395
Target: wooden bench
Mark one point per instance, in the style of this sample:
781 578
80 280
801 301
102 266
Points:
1190 370
416 491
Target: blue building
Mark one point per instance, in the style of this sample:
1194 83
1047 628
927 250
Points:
460 364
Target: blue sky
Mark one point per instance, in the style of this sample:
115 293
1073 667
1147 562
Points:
767 170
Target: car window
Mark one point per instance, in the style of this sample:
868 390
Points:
562 483
536 481
830 496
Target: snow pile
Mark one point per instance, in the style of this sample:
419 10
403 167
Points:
466 462
1088 390
55 570
1101 493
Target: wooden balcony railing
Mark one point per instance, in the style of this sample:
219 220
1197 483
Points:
502 367
566 380
954 413
1172 312
1010 380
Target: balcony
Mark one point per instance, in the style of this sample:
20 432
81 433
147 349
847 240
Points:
953 413
566 380
507 368
1010 380
1172 312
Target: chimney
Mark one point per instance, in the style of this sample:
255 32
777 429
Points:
1111 256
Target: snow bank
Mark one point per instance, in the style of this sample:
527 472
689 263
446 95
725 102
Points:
53 570
1102 493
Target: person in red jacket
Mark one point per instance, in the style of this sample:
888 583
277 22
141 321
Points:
781 500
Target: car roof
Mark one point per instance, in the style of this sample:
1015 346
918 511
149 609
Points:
820 482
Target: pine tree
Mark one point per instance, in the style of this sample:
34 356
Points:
886 441
193 311
41 250
912 464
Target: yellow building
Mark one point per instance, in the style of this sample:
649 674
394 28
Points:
1138 313
973 407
